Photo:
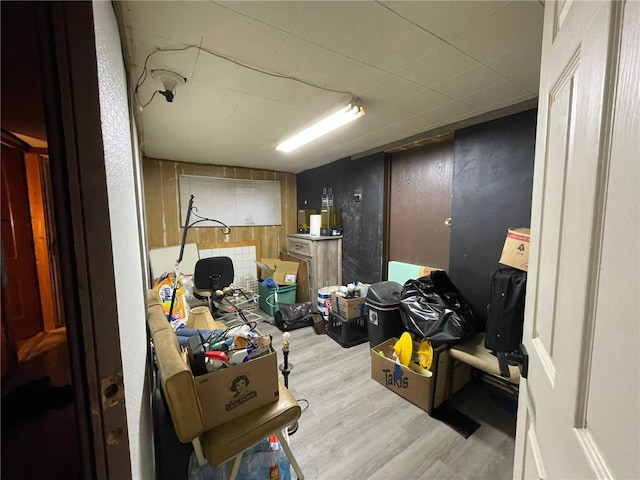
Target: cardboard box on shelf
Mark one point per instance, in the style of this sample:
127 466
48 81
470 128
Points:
347 307
282 272
515 252
425 392
231 392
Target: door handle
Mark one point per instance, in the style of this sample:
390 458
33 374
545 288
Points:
519 357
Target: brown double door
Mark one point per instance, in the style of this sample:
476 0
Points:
420 204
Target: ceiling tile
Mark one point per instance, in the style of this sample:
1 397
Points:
388 116
415 124
446 114
373 139
396 46
240 37
499 95
513 63
141 44
285 118
512 101
304 60
344 27
181 117
296 93
472 81
223 73
446 19
353 76
438 65
517 24
390 91
422 102
529 80
180 21
282 15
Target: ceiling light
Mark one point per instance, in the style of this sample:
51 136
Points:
342 117
169 80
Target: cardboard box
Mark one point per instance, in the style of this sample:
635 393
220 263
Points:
425 392
231 392
401 272
347 308
515 252
282 272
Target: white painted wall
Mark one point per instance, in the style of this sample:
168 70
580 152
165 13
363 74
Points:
122 168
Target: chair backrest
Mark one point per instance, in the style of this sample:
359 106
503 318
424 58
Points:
213 273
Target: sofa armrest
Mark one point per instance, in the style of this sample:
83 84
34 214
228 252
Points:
175 376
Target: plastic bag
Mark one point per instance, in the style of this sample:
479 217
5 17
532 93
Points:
180 311
431 307
291 316
265 460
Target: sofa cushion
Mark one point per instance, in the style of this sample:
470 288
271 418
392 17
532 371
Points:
175 375
223 442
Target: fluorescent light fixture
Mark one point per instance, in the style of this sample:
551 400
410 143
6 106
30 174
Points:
342 117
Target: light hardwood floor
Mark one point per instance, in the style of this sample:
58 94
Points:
354 428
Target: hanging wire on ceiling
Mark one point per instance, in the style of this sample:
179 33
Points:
143 75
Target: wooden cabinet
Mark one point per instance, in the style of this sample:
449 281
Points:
323 257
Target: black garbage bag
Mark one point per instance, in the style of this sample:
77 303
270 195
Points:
432 307
291 316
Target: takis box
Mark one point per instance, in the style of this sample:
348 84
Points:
425 392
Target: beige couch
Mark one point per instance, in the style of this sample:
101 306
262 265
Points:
219 443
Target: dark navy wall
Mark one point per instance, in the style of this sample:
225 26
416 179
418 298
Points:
492 185
361 221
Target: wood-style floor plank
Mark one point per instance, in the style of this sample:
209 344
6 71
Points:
354 428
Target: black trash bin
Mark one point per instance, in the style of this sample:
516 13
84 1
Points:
382 308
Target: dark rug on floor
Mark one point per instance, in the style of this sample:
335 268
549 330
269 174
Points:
32 400
457 420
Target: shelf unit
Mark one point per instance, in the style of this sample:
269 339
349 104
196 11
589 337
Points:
323 257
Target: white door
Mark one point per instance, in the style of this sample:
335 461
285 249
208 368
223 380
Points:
579 409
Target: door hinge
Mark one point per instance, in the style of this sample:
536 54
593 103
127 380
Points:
519 357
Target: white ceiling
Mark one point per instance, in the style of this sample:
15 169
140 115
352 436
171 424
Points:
415 65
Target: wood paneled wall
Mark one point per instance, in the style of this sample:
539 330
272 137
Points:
162 206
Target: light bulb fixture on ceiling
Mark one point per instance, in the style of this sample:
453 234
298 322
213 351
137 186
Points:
336 120
170 80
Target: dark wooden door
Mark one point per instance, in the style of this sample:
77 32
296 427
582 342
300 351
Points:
420 204
20 296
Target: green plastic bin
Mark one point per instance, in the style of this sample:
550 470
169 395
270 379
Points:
268 304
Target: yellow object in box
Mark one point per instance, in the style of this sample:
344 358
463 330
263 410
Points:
425 354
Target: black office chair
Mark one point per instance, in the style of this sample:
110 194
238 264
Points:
211 274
